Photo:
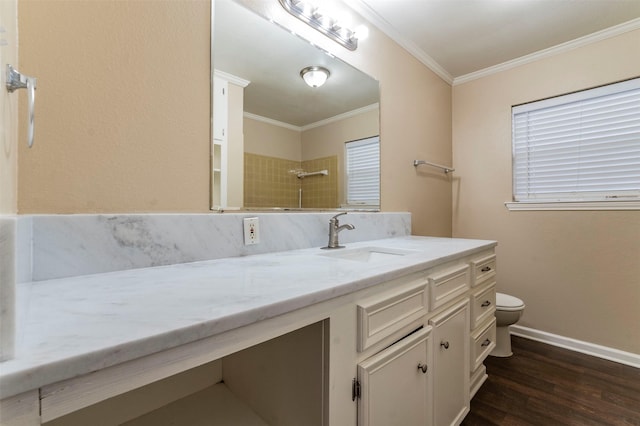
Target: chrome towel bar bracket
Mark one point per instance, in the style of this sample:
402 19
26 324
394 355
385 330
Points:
446 169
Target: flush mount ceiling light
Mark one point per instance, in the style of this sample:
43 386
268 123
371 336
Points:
315 76
333 28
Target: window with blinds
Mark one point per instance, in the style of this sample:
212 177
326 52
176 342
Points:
362 163
584 146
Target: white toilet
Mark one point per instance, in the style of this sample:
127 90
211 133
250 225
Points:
508 311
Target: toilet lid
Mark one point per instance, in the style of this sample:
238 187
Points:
507 301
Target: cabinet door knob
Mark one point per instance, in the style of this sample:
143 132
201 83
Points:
485 303
422 367
485 269
487 342
444 345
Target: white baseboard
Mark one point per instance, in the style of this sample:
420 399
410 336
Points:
599 351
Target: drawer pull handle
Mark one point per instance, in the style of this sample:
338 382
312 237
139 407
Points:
486 343
423 368
485 269
486 303
444 345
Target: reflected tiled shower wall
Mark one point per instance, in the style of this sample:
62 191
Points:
268 183
272 182
320 192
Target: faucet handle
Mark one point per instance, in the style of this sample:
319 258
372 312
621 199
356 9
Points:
335 218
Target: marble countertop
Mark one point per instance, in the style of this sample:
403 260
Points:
72 326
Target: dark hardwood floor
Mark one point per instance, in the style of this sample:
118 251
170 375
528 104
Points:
546 385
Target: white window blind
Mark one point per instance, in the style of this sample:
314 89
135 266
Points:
362 161
584 146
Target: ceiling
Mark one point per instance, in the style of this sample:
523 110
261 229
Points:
456 38
249 46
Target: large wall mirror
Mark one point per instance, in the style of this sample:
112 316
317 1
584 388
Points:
279 143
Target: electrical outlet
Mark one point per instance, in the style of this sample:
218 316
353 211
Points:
251 231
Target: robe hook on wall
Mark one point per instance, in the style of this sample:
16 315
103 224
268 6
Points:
15 81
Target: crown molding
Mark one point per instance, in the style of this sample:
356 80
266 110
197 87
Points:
272 121
369 14
384 26
342 116
238 81
329 120
555 50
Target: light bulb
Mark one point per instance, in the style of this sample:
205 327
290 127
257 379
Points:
361 32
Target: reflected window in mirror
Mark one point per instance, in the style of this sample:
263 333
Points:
362 171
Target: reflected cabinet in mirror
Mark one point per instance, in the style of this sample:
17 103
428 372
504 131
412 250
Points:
277 141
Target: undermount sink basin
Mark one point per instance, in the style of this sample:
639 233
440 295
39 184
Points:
367 254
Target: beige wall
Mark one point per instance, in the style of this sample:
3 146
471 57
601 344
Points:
124 133
329 140
415 123
122 106
271 140
235 141
577 271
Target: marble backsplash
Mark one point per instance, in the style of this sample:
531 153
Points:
57 246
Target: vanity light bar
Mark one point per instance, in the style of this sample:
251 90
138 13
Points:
327 25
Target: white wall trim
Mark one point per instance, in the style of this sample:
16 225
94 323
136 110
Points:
384 26
555 50
238 81
572 206
342 116
329 120
272 122
588 348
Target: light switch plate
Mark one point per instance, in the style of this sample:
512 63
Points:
251 231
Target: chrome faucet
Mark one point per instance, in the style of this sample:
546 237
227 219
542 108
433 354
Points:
334 230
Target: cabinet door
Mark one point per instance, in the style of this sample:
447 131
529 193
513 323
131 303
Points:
220 108
396 384
219 146
451 364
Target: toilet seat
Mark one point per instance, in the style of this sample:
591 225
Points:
505 302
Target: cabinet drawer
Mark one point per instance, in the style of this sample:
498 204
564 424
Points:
448 285
482 342
389 314
483 269
483 305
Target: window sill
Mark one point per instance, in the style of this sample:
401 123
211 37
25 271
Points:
573 205
360 207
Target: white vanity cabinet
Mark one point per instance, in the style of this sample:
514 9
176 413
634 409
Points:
482 320
422 345
406 350
396 386
451 364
